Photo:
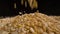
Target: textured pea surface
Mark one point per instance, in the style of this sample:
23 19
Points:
33 23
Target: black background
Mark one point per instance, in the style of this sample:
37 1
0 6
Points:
50 7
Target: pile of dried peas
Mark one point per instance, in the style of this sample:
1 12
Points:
33 23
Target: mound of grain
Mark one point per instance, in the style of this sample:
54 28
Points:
56 17
34 23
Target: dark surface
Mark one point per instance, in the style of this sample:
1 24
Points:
6 8
50 7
